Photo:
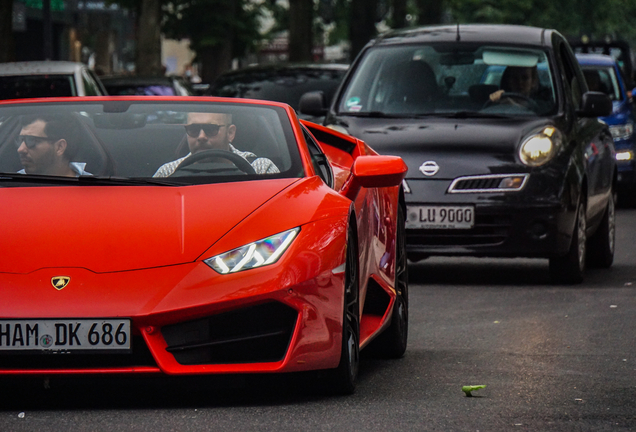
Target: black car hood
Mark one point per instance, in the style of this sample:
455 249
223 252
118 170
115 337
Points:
459 146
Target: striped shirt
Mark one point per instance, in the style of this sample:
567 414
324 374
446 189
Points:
260 165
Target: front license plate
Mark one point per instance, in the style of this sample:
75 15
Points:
440 217
111 335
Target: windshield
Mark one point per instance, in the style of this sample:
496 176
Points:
35 86
281 85
161 142
450 79
603 79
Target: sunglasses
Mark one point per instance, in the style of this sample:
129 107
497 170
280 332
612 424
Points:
30 140
209 129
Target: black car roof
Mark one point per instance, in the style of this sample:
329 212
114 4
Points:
282 68
479 33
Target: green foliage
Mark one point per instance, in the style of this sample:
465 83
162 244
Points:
340 19
570 17
56 5
279 14
210 23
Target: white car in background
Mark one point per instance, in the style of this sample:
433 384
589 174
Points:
34 79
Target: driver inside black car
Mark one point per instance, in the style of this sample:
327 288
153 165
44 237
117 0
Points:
214 131
520 86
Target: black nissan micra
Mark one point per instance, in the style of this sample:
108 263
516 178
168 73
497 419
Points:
506 155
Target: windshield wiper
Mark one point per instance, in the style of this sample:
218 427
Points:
129 181
457 115
372 114
85 180
471 114
34 178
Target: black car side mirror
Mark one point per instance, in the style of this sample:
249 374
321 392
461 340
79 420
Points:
313 104
595 104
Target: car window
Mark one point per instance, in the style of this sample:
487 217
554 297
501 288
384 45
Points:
449 78
181 89
603 79
571 77
135 139
90 86
280 85
35 86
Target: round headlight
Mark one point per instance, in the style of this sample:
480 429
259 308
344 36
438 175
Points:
537 150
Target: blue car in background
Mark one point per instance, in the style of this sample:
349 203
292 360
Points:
602 73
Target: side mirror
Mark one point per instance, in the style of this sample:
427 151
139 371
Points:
313 104
374 172
595 104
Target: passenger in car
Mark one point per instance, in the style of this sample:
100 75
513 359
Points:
214 131
47 144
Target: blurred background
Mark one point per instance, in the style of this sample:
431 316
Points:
198 40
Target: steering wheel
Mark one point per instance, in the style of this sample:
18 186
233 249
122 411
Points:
238 161
522 99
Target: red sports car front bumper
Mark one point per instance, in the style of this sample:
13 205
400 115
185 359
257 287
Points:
187 319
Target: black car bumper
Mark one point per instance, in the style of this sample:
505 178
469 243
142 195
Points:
516 231
626 179
536 221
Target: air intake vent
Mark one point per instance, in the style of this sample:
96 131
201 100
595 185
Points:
252 335
489 183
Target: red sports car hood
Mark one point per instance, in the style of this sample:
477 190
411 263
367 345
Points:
119 228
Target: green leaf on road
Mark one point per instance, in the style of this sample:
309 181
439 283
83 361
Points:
471 388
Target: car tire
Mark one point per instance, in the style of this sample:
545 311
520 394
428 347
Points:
342 380
393 340
600 246
569 268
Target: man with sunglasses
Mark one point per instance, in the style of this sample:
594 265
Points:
46 145
214 131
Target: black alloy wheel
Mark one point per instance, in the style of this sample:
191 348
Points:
600 250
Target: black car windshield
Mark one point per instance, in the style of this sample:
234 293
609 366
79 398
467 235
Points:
451 78
285 85
35 86
158 142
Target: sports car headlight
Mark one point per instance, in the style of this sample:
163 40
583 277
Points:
258 254
540 148
622 131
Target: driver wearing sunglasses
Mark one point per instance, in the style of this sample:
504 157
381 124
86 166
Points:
214 131
46 145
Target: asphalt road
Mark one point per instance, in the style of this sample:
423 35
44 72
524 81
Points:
553 358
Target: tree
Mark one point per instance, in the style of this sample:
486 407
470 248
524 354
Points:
6 31
362 24
148 59
429 11
218 30
398 17
301 18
